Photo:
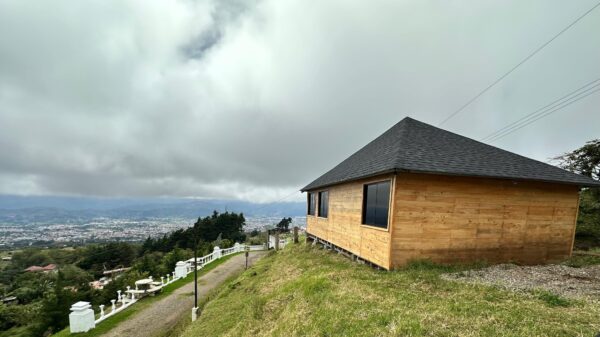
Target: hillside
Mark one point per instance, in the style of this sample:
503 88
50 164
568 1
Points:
306 291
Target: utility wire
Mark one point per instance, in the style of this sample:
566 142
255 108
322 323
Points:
579 91
271 203
542 116
518 65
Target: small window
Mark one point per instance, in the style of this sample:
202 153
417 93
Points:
311 203
323 204
376 204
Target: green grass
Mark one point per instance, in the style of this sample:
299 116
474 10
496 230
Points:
579 261
113 321
306 291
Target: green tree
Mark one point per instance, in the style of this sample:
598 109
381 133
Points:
586 160
284 225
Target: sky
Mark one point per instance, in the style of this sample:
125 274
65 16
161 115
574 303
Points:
253 100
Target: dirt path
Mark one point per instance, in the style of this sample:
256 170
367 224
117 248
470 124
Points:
164 314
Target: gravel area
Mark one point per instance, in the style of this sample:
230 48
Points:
577 283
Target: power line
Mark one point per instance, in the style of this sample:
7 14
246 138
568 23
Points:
541 110
518 65
542 116
279 200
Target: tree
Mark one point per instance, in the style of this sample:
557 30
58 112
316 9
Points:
586 160
229 225
284 225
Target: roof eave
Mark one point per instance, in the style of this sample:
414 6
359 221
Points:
592 183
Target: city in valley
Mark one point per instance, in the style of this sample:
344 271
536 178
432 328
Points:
109 230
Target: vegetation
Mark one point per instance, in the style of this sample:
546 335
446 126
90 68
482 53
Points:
586 160
226 227
306 291
113 321
284 225
44 299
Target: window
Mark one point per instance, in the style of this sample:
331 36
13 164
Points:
376 203
323 204
311 203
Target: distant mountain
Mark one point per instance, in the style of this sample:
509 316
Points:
47 209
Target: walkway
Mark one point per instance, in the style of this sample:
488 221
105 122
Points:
164 314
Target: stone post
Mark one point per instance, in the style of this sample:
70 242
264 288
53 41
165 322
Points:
81 318
101 310
114 307
119 296
276 241
162 280
194 314
167 278
126 295
180 269
217 252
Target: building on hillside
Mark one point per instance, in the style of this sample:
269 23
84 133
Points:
46 269
420 192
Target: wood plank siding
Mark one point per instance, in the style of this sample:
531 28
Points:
454 219
461 219
343 226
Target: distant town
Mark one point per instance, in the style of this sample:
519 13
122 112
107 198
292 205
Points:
108 230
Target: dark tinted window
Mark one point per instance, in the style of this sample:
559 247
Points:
323 204
311 203
376 203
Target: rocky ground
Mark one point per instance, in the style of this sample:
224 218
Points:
576 283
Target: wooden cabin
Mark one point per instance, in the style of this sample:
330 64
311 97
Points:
420 192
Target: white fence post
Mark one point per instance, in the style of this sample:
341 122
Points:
180 269
114 307
217 252
82 317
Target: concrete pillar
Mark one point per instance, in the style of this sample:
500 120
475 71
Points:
217 252
162 280
276 240
119 296
81 318
101 310
180 269
114 307
194 314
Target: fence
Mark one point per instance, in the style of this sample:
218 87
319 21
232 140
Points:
83 318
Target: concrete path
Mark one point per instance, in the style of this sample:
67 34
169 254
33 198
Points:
163 315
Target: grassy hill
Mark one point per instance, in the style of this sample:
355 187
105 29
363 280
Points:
305 291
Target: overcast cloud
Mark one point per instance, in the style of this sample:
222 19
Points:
253 100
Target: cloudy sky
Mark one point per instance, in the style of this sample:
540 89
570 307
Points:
254 99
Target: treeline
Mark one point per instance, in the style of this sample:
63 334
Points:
44 299
218 229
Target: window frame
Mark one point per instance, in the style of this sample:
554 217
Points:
319 204
313 203
388 206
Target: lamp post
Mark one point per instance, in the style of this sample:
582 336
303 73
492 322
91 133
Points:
195 308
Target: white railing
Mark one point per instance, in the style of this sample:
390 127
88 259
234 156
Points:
82 317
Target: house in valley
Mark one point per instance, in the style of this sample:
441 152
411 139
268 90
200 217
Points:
420 192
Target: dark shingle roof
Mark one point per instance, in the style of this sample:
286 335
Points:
413 146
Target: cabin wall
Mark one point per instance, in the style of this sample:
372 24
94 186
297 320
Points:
343 226
458 219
